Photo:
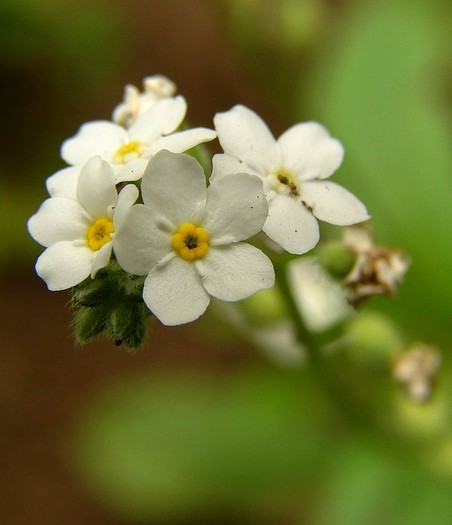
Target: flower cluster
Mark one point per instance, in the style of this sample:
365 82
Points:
133 226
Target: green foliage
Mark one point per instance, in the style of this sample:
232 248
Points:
254 446
180 445
378 91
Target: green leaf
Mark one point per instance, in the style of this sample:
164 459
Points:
378 92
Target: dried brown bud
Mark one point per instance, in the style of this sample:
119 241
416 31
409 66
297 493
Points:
377 270
416 368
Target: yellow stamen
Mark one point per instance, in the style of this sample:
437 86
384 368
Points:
131 150
99 233
190 241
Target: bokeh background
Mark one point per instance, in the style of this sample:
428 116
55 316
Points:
200 426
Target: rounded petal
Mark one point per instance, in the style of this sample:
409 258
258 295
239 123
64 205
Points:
244 135
224 164
130 171
182 140
310 151
291 225
163 117
101 258
63 183
93 138
333 203
174 185
58 219
321 300
126 199
96 190
139 243
236 208
174 292
235 271
64 265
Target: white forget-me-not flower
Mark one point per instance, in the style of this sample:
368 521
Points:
293 169
186 238
78 232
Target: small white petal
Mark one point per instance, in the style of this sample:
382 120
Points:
96 188
64 265
244 135
163 117
131 171
310 151
126 199
174 185
174 292
224 164
236 208
58 219
181 141
63 183
140 244
93 138
291 225
101 258
235 271
333 203
321 301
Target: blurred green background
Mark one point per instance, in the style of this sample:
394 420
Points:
199 427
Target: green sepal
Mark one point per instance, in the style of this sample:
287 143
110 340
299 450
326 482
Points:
127 323
89 323
112 305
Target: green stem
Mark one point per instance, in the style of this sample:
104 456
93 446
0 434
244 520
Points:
339 397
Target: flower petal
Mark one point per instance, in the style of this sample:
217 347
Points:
65 264
163 117
174 292
96 190
58 219
333 203
126 199
236 208
93 138
235 271
139 243
291 225
182 140
130 171
101 258
310 151
63 183
321 300
224 164
174 185
244 135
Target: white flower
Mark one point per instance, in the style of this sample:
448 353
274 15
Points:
78 232
128 150
186 238
136 103
293 169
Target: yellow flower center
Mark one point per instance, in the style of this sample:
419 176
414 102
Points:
99 233
190 242
131 150
284 181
